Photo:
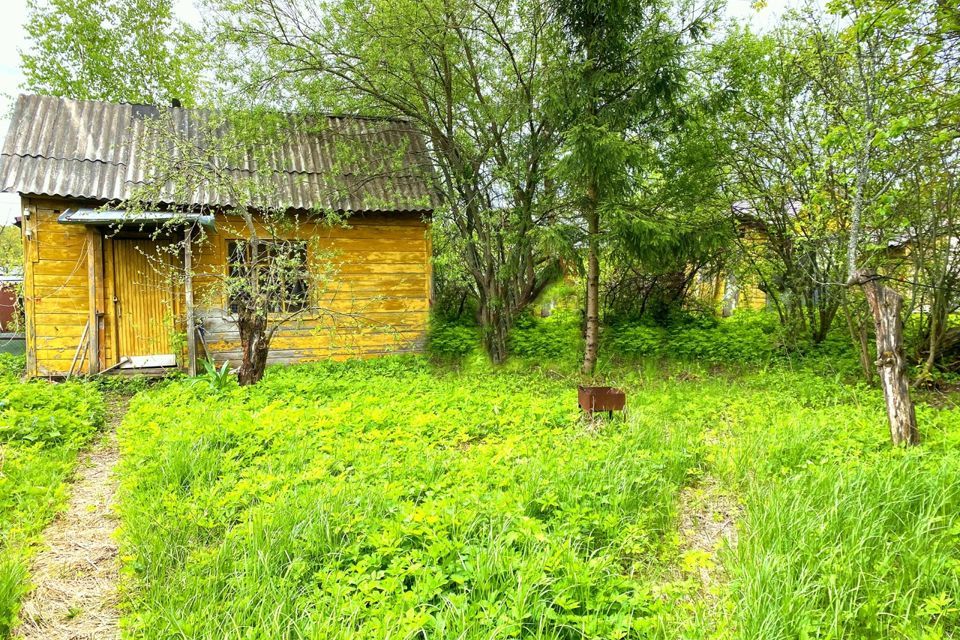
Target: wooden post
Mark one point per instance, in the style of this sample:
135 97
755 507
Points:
886 306
188 298
94 270
30 258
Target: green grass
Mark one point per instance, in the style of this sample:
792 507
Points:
42 427
384 500
843 536
389 499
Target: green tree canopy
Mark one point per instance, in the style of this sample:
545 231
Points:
116 50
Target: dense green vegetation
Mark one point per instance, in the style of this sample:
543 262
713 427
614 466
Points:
748 339
640 168
394 499
375 500
42 427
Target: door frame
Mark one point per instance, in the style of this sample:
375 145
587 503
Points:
113 318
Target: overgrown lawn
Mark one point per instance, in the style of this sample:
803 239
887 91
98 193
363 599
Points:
42 428
389 499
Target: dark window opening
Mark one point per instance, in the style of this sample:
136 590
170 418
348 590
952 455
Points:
281 267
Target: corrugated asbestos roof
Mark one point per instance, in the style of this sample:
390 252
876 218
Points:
101 151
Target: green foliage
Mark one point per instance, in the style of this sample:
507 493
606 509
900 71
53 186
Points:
450 340
556 338
841 536
42 427
387 498
219 379
477 94
124 384
116 50
745 338
853 550
383 499
11 249
635 340
12 366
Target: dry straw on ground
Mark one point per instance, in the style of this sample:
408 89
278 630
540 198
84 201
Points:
707 516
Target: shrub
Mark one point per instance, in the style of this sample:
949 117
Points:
12 366
450 340
746 338
556 338
635 340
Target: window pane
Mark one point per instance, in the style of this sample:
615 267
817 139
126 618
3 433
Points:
281 268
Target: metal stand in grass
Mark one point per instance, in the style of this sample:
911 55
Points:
593 399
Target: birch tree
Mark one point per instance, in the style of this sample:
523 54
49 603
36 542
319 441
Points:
117 50
874 64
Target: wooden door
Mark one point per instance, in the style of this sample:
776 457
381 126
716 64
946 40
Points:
143 301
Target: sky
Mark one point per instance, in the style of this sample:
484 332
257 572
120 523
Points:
12 41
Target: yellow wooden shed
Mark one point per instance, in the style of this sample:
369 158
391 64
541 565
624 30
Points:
94 303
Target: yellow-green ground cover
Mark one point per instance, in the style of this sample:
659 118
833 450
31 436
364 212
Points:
42 428
390 499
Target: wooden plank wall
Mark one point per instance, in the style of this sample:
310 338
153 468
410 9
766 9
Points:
377 301
379 298
56 292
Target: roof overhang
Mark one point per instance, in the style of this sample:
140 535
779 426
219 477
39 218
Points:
120 217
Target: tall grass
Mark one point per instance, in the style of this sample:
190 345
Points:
841 536
392 500
42 427
386 501
852 551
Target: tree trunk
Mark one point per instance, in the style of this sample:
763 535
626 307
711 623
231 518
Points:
886 306
592 331
255 345
495 325
937 324
730 295
858 333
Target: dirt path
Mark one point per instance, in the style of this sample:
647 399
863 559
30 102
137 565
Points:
707 517
75 575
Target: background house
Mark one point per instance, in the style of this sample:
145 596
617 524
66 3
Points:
11 313
92 297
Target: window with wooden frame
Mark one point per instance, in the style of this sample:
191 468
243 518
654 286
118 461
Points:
282 273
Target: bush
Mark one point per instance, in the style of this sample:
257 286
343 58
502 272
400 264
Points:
556 338
632 341
746 338
449 340
12 366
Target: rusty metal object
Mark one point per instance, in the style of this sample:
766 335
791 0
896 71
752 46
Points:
607 399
